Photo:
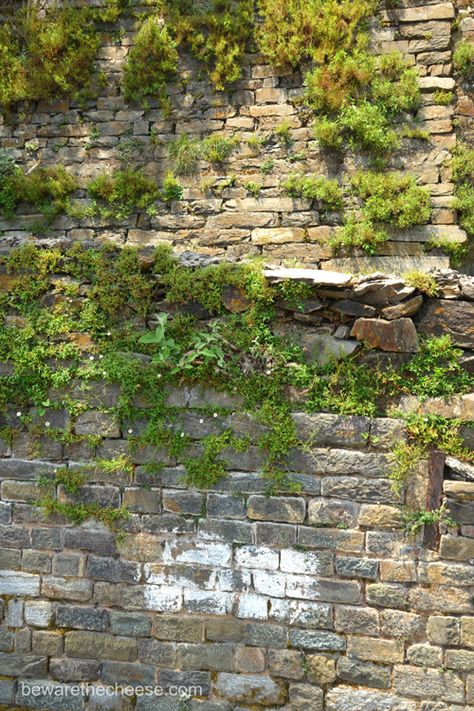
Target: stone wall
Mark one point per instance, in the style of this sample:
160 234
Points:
313 598
307 601
219 217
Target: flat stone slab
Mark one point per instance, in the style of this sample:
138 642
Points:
387 265
317 276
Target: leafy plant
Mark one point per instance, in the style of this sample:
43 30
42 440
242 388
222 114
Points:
422 281
168 349
358 232
325 191
416 520
186 153
392 198
204 349
124 191
253 188
217 149
151 62
46 54
47 189
463 176
172 189
436 369
463 58
443 98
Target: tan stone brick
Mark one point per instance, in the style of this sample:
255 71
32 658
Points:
398 571
321 669
467 631
373 649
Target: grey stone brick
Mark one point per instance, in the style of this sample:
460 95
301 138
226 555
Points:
226 629
333 538
183 502
241 483
339 462
215 657
180 628
14 613
127 673
357 568
443 630
9 558
167 523
162 654
425 683
94 422
333 513
346 698
130 624
286 663
273 508
142 500
275 534
225 506
356 619
403 625
364 673
96 540
82 618
48 702
14 537
23 639
38 613
104 496
47 538
24 469
6 639
320 641
118 571
5 513
78 589
99 645
304 697
356 488
7 691
68 564
168 677
250 689
229 531
64 669
35 561
23 665
47 642
386 595
14 583
265 635
332 430
170 477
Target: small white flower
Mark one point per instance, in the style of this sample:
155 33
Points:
268 372
104 372
18 414
91 357
182 434
159 375
108 333
130 431
215 414
101 356
47 424
201 421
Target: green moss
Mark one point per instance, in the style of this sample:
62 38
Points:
443 98
172 190
205 471
392 198
421 281
358 233
78 513
463 176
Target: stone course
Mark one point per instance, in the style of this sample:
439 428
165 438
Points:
224 220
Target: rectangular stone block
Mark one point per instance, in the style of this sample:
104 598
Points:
228 531
272 508
78 589
23 665
356 619
182 629
428 683
130 624
357 567
215 657
309 588
320 641
15 583
162 654
373 649
363 673
307 563
82 618
99 645
333 538
112 570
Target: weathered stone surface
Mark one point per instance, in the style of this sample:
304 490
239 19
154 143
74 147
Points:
456 318
304 697
249 689
263 508
396 336
345 698
364 673
406 308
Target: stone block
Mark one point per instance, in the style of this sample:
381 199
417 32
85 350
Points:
424 655
208 657
425 683
443 630
357 567
307 563
363 673
331 538
129 624
95 422
99 645
372 649
346 698
48 643
305 697
386 595
82 618
64 669
285 663
275 534
397 336
320 641
258 557
356 620
272 508
128 674
78 589
138 500
181 629
162 654
15 583
249 660
38 613
113 570
249 688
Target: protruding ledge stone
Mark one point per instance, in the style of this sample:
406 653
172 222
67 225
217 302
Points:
317 276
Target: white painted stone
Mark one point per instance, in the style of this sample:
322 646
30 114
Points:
208 603
317 276
292 561
198 553
254 607
162 598
269 583
256 557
